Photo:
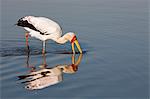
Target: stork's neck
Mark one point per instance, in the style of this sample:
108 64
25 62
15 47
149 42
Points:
65 38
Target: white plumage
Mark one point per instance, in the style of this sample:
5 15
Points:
45 26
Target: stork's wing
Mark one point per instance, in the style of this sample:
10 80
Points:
24 23
45 26
40 24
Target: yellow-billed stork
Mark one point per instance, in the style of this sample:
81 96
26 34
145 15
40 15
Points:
44 29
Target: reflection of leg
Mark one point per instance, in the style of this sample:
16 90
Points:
28 56
28 65
27 44
44 60
27 62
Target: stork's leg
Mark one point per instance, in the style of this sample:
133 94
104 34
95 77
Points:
44 47
27 44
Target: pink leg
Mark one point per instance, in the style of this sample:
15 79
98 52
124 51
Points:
44 47
27 44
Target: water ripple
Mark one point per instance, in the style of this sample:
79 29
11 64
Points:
18 48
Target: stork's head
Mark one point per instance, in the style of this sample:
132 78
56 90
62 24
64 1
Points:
73 40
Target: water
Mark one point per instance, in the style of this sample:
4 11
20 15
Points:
114 34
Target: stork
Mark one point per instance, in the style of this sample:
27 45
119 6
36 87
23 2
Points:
45 29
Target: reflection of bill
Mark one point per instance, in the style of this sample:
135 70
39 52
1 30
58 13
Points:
49 76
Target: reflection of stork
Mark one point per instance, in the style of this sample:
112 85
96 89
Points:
43 62
49 76
44 29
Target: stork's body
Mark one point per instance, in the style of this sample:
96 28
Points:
44 29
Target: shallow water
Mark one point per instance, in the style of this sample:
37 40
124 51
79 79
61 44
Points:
114 35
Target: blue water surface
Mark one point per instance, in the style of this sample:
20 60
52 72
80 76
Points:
114 34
